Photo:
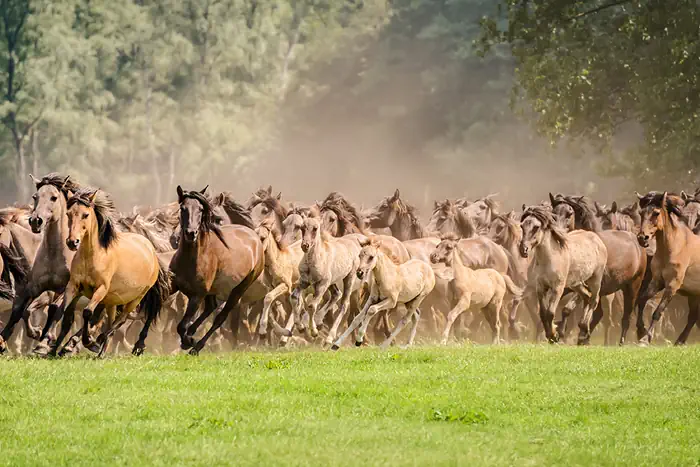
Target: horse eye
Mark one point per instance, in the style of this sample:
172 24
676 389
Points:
264 210
86 215
54 199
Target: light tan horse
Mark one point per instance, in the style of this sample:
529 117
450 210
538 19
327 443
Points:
575 262
328 264
475 289
391 284
281 271
111 268
675 267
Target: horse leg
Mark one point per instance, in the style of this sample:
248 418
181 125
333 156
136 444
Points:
548 302
410 311
383 305
648 291
270 297
462 305
356 322
693 310
319 316
19 307
669 291
348 285
415 317
210 305
192 307
571 304
115 321
492 313
319 291
233 301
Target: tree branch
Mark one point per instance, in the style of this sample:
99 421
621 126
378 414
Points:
598 9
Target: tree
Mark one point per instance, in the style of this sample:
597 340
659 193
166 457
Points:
591 70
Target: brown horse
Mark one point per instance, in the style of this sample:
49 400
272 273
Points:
398 216
110 268
676 264
212 262
626 261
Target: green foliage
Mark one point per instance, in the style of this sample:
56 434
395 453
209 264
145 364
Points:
595 70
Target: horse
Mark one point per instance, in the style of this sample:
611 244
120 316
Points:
281 270
613 219
339 217
398 216
111 268
391 284
264 206
50 268
480 212
574 261
327 264
449 218
624 270
676 264
212 262
480 289
691 209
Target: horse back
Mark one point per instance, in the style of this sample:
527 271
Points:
482 252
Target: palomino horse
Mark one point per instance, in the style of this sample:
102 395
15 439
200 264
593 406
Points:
391 284
480 289
676 264
625 268
559 261
213 262
50 270
110 268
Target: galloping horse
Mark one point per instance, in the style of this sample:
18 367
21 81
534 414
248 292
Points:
212 262
110 268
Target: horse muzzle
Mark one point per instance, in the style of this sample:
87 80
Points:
73 244
305 247
434 259
643 240
190 236
360 274
36 223
524 250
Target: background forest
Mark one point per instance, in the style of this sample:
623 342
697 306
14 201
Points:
438 97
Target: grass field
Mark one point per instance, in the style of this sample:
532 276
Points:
511 405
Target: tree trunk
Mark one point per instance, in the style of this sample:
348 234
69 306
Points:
157 183
21 172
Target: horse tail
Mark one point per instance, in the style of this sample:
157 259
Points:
514 290
16 265
158 293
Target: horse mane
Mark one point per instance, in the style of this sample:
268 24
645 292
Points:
409 212
237 213
303 211
465 225
271 226
149 229
209 219
65 185
546 218
12 214
375 243
349 218
491 203
585 212
105 213
674 204
512 229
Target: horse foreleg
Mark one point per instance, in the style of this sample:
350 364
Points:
192 307
335 295
348 285
68 303
354 325
548 302
669 291
210 306
19 307
410 311
269 299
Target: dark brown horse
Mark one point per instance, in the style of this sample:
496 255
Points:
626 260
213 262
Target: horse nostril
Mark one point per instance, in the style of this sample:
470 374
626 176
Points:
39 221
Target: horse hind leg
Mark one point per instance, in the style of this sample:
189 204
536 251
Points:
492 313
693 311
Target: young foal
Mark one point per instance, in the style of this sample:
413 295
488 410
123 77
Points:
475 289
575 261
392 284
110 268
213 262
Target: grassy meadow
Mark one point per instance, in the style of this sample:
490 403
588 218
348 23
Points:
470 405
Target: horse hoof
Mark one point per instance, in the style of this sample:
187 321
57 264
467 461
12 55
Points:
41 350
358 343
334 347
3 346
93 347
194 352
186 343
137 351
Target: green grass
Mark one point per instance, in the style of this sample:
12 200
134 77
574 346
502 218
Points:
473 405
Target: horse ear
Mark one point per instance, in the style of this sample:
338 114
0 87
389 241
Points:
551 199
93 196
663 201
279 196
638 195
396 195
180 194
34 180
269 190
525 207
684 195
598 208
613 207
204 190
436 204
366 241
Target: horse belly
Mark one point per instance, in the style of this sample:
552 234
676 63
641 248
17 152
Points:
584 261
691 281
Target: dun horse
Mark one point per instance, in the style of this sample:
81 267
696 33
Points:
110 268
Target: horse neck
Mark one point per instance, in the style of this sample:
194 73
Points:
56 234
385 272
460 271
318 249
670 239
547 250
28 241
90 244
403 228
